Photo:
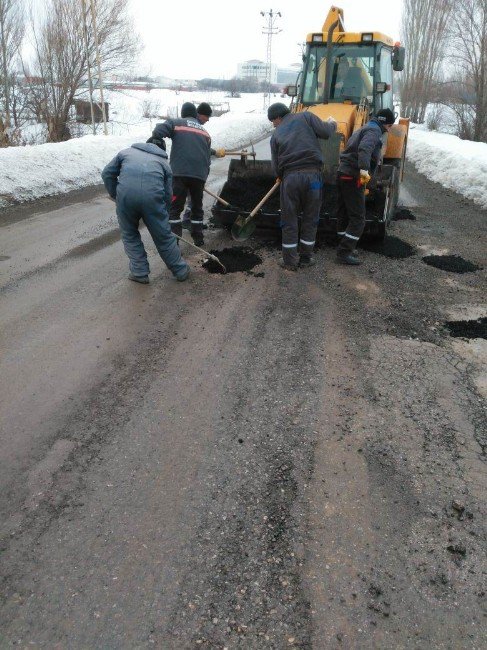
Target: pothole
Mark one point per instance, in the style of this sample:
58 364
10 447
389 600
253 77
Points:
391 247
234 259
468 329
451 263
403 214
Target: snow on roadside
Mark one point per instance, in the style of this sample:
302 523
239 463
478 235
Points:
460 165
35 171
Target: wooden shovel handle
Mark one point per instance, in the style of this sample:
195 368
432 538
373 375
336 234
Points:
261 203
240 153
218 198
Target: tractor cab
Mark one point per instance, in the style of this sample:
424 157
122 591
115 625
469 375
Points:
357 72
352 68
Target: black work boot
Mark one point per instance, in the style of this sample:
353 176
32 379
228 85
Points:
141 279
347 258
198 238
306 260
287 266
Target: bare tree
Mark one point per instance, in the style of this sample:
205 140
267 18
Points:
60 62
424 24
12 27
468 89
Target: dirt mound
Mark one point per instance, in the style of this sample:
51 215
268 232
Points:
468 329
452 263
391 247
235 259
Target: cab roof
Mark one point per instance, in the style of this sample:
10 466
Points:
352 37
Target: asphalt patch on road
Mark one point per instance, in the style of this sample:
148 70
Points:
451 263
235 259
391 247
468 329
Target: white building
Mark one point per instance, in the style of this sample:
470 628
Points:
257 70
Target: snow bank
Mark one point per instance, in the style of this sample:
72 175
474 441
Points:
460 165
32 172
36 171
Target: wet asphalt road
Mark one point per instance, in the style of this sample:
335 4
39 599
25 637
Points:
241 461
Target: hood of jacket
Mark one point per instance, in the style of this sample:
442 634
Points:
148 147
376 122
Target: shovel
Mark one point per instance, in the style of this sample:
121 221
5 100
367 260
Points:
201 250
219 198
244 226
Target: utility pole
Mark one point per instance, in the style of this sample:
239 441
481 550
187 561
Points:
90 29
270 29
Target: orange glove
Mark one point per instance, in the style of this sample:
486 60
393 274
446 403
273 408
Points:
364 177
220 153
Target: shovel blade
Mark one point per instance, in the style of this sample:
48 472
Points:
242 228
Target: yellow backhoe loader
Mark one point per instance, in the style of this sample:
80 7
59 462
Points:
349 76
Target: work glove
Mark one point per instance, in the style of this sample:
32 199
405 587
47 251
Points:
332 122
219 153
364 177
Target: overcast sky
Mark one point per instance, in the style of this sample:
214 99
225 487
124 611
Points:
189 39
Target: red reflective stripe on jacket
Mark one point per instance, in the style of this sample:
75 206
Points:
192 130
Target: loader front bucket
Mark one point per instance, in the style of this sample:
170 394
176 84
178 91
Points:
248 181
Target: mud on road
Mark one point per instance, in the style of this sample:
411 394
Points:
293 460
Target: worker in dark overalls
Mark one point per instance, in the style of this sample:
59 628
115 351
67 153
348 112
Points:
297 160
358 162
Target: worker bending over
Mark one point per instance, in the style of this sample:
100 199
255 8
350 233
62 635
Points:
358 162
297 160
139 180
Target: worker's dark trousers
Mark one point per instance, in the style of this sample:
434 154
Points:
182 185
350 213
300 194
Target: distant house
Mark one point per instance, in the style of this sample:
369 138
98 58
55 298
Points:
83 111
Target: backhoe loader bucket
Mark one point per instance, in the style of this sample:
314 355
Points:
249 181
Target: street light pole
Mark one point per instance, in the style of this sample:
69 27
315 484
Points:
270 29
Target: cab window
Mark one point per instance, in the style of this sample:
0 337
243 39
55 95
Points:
385 100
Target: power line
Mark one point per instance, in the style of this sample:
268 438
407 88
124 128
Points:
270 29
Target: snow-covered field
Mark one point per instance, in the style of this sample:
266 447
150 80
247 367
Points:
35 171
